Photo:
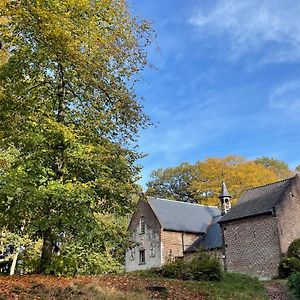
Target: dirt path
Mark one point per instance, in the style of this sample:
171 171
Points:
276 290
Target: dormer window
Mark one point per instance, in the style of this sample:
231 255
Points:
142 225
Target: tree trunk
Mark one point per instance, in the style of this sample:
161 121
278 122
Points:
61 114
46 251
48 239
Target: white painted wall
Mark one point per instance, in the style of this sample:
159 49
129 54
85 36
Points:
149 240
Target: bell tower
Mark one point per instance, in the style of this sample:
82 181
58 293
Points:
225 199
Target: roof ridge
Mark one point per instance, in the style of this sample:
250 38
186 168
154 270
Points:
182 202
263 185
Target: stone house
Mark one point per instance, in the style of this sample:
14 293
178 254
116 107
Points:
163 230
250 237
259 228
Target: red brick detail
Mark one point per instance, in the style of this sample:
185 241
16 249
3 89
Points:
173 243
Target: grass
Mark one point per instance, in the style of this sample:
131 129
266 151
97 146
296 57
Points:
232 286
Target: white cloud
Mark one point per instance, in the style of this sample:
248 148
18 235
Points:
286 98
250 26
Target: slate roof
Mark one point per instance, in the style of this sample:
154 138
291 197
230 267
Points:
224 192
182 216
211 240
259 200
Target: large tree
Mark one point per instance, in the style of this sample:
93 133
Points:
69 114
172 183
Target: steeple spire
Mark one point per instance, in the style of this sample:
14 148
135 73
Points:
225 199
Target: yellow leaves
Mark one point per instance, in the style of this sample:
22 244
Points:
237 172
67 131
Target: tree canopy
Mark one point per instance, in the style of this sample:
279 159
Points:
279 167
69 115
236 171
172 183
201 182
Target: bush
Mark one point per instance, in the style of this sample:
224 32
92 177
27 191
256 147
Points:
294 249
178 269
206 267
294 284
288 266
78 260
202 266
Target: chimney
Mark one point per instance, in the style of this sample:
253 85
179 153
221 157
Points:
225 199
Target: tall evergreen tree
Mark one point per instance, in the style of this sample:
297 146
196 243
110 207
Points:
69 114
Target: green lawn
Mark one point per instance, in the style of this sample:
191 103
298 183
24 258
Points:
232 286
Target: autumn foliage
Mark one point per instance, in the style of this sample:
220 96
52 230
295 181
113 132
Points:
200 182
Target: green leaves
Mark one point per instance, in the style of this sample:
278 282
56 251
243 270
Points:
69 114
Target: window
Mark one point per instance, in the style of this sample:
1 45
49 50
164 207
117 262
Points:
142 225
170 254
152 250
132 253
142 257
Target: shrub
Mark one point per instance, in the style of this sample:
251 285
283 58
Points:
294 284
294 249
206 267
288 266
75 260
202 266
179 269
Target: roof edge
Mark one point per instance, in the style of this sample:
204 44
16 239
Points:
154 213
185 231
182 202
143 200
271 183
193 251
269 212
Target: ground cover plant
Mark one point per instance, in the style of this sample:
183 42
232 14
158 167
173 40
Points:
294 284
290 264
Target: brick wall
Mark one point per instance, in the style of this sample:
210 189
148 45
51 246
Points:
173 243
252 246
288 212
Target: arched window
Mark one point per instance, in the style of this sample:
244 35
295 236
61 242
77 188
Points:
142 225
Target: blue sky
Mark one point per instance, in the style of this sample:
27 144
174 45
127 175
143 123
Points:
227 81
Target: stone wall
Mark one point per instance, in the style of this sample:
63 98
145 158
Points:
149 241
252 246
288 212
174 243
